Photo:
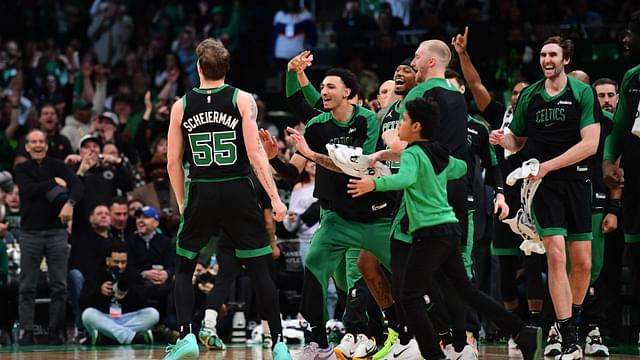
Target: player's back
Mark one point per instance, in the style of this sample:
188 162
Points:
212 129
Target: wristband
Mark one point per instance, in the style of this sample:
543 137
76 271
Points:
614 206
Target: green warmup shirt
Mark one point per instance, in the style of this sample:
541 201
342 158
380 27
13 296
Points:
425 169
361 130
553 124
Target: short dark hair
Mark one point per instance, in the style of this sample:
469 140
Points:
452 74
566 44
427 113
214 59
46 105
117 247
120 200
348 78
605 81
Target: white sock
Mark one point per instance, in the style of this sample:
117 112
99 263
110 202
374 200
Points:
265 328
210 319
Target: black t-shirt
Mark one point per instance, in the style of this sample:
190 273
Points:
361 130
552 124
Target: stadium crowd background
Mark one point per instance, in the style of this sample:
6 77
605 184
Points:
123 63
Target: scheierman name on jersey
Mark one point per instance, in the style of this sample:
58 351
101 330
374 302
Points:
210 117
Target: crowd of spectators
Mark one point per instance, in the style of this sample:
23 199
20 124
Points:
97 80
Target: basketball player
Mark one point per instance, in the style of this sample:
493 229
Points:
557 122
345 223
624 143
213 130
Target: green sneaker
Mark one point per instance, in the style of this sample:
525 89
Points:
281 352
386 347
186 348
209 338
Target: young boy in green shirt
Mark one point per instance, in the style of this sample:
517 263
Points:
425 169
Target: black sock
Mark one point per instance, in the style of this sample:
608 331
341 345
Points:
575 311
568 331
446 338
391 317
535 318
405 336
185 329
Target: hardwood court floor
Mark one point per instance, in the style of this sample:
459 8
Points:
489 352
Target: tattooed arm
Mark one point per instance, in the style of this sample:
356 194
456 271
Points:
302 146
256 154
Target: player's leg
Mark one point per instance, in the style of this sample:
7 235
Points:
193 234
229 269
325 254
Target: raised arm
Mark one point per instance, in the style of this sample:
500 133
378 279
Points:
257 156
175 150
480 93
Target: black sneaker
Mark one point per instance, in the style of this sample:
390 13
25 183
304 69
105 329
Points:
26 338
57 337
143 337
571 352
529 341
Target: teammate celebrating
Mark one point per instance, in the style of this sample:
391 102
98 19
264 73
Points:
213 129
345 223
624 143
556 122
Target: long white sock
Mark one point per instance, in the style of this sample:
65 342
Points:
210 319
265 329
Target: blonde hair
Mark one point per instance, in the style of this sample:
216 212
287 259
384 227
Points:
439 50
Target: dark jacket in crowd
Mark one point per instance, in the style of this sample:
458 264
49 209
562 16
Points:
91 295
159 251
35 182
88 253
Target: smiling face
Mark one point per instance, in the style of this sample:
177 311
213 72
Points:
422 61
48 119
36 145
404 78
551 61
333 92
145 225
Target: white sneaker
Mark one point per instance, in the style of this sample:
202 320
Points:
554 342
404 352
593 344
467 353
364 349
313 352
343 350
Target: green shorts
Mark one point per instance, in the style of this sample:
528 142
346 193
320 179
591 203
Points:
336 238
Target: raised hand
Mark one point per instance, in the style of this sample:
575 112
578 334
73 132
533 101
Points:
459 42
269 143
